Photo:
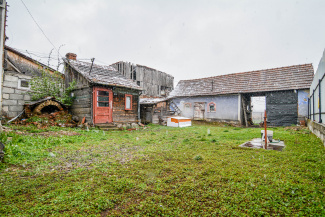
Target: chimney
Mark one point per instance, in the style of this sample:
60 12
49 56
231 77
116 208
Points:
71 56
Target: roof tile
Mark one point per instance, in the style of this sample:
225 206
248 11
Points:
276 79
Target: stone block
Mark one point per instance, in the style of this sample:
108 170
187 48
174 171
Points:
16 108
8 90
27 97
5 108
21 102
11 78
16 96
10 84
9 102
5 96
21 91
12 114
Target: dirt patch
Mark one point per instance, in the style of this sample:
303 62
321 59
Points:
88 157
217 123
57 133
48 133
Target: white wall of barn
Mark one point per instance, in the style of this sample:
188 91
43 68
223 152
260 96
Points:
226 107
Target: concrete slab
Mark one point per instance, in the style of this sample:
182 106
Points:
258 143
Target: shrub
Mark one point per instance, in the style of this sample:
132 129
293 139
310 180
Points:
52 85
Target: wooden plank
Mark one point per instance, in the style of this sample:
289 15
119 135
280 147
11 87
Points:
244 110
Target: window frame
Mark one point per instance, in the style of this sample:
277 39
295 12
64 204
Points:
128 95
187 106
21 87
103 101
215 106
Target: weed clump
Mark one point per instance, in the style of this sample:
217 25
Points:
186 140
198 158
213 140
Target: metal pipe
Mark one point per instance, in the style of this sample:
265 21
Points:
139 118
92 63
265 129
320 101
313 105
308 109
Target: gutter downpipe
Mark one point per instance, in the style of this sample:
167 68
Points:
320 101
139 119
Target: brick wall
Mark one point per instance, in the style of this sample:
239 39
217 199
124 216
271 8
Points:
14 96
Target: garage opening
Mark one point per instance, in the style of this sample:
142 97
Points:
258 107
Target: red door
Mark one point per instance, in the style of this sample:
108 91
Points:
102 105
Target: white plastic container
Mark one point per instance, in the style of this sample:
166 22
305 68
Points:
269 135
178 122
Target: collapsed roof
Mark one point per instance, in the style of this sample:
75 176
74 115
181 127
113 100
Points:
24 64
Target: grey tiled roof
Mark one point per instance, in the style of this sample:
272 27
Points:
106 75
276 79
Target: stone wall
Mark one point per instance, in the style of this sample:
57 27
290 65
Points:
14 96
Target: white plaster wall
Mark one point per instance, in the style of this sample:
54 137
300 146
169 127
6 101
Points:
226 107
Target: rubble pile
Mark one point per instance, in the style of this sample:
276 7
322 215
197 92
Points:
59 118
45 113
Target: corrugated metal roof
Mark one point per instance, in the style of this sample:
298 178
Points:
106 75
144 101
276 79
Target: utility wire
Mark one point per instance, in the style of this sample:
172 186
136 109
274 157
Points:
40 27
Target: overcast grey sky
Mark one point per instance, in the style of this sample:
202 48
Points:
185 38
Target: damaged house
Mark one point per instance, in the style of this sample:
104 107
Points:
103 96
156 87
18 71
228 97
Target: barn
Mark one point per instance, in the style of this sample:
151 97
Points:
103 96
228 97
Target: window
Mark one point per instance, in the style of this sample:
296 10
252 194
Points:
187 107
211 107
138 83
24 84
163 90
128 102
102 98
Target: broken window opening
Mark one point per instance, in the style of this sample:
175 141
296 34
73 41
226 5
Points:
23 84
163 90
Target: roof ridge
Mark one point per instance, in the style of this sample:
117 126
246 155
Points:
236 73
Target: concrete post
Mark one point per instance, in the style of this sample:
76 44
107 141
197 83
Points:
2 40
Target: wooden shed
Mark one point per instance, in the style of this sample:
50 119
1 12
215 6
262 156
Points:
103 95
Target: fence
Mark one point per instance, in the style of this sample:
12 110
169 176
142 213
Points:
316 103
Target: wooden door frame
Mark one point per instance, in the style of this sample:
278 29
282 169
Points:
204 105
96 88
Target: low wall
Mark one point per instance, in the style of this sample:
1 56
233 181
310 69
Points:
317 129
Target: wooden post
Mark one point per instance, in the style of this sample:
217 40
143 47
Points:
244 110
265 129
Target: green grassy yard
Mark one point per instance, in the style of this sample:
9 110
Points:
161 171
